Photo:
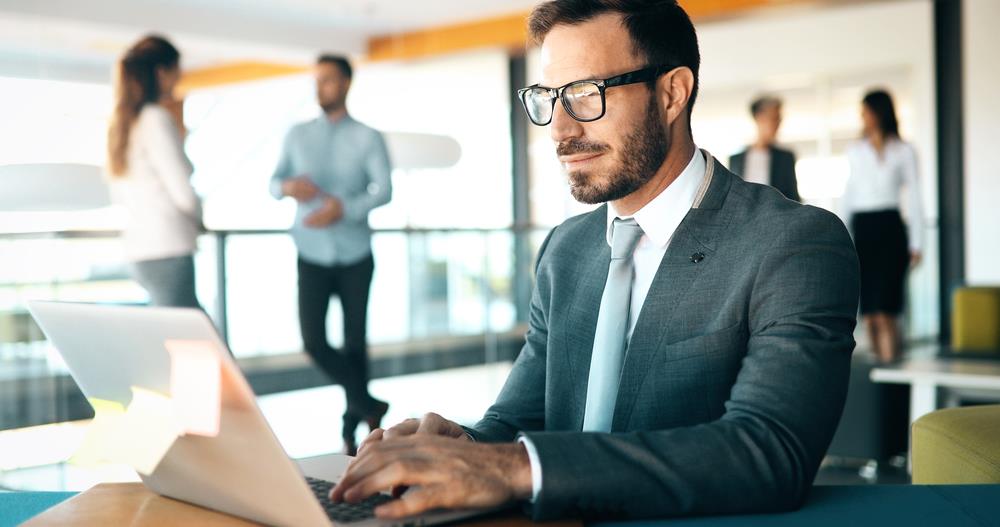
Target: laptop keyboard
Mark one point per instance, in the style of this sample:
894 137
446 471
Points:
345 512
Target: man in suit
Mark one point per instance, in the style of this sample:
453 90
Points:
689 341
763 162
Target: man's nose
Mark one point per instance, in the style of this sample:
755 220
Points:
563 126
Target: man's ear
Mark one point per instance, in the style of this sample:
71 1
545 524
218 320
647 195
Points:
673 90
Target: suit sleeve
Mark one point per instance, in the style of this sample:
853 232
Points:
521 403
762 454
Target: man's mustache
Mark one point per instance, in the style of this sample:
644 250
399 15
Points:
576 146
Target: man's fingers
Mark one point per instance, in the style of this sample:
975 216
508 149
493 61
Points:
360 468
374 437
432 424
374 458
408 427
416 501
399 472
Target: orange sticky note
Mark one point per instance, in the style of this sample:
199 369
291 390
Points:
196 385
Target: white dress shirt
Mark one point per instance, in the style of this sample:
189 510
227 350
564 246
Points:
164 213
757 166
878 184
658 219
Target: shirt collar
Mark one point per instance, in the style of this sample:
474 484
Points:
323 119
659 218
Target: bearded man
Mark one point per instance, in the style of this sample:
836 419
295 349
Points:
689 341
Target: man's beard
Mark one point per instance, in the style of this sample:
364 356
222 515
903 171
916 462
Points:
642 154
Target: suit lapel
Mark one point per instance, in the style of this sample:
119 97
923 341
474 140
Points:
697 234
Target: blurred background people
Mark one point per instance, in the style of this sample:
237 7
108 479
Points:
338 170
150 174
763 162
883 167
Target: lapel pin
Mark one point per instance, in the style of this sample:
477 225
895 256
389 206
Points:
697 257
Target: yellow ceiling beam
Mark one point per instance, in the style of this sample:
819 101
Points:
511 30
506 31
234 72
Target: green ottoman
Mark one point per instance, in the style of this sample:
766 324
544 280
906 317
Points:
957 445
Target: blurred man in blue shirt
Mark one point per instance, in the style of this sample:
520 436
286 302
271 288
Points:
337 169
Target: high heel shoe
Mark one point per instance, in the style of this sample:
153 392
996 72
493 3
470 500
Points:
379 409
351 421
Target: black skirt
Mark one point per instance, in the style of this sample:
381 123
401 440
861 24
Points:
884 256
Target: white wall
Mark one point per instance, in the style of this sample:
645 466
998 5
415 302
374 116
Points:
981 48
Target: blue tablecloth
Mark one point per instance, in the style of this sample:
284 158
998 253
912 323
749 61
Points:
875 505
870 505
17 507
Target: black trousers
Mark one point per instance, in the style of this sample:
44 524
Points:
349 366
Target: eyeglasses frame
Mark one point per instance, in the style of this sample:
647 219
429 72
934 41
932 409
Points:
633 77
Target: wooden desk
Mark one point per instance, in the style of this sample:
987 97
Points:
132 504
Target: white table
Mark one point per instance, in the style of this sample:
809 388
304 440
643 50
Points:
926 375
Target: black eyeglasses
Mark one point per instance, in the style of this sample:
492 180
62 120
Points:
583 100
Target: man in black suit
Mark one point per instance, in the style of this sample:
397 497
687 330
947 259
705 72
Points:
763 162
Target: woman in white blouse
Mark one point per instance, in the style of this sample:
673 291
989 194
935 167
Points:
150 174
883 169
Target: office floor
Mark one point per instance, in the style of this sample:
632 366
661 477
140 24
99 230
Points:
307 423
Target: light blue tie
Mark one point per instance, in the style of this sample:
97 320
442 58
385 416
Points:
612 323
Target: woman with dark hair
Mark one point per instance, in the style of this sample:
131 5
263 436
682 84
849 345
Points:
883 166
150 174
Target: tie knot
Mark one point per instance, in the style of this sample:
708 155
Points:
625 235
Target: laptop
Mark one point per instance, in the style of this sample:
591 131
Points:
243 470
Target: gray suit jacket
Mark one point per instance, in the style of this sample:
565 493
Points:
735 375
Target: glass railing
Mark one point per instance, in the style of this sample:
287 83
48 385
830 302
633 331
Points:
430 285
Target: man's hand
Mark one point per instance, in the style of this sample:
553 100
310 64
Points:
915 258
429 424
444 473
300 188
328 213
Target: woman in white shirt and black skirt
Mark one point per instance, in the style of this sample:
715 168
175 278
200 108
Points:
150 174
883 169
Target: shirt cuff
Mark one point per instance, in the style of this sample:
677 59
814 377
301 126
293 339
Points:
536 467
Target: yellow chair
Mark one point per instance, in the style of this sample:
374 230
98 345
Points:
957 446
975 320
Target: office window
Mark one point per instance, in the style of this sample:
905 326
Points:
427 284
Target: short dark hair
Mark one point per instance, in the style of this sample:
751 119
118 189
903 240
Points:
339 61
880 104
762 103
661 30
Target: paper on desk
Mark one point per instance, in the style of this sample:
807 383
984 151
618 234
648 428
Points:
106 425
196 385
148 429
